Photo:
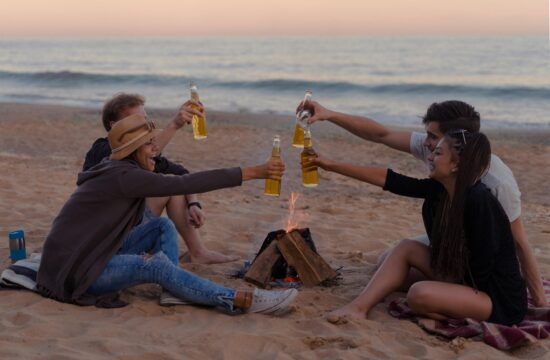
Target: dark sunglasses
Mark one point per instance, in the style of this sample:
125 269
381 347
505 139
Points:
459 134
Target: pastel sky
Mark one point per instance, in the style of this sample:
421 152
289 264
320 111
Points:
37 18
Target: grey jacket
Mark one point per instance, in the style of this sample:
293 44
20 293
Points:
92 225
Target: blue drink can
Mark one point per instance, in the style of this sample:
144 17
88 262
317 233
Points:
17 245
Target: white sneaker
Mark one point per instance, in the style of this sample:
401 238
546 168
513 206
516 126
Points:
167 299
271 302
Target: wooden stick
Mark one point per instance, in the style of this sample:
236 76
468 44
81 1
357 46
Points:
311 267
259 273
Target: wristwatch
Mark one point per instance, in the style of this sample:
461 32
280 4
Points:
194 203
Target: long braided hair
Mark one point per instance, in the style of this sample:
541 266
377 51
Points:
449 252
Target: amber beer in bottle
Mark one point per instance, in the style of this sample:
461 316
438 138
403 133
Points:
301 123
309 175
198 122
273 187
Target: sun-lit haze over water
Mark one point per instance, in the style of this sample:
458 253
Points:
271 18
386 59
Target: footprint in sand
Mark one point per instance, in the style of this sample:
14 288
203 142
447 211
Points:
331 211
355 255
341 342
18 318
457 344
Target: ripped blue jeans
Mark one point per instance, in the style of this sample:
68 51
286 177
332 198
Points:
133 265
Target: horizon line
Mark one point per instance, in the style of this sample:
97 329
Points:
404 35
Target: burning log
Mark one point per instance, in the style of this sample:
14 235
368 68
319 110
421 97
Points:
260 272
311 267
292 249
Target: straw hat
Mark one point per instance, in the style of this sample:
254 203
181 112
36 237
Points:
129 134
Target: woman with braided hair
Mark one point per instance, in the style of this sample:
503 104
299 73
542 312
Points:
470 263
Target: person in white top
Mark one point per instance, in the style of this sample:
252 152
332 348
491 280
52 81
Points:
440 118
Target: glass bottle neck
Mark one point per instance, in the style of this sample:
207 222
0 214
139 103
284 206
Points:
276 151
307 142
307 96
194 91
304 115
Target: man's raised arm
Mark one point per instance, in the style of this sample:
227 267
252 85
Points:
363 127
182 117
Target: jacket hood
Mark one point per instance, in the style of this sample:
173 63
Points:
106 165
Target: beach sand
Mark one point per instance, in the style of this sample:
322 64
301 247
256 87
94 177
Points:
42 149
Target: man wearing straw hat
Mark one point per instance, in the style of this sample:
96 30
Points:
184 210
97 246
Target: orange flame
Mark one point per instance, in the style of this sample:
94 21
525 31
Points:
292 222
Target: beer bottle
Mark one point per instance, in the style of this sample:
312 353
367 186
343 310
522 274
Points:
301 123
273 187
198 122
310 174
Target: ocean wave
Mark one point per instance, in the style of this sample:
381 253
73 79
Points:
392 88
74 78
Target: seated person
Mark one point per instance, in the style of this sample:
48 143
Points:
184 210
440 117
96 247
470 265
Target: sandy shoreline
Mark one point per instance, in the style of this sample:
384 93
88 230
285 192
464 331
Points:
42 149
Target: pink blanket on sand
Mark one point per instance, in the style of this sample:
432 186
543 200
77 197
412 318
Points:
536 325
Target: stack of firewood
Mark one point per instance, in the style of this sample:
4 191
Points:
310 266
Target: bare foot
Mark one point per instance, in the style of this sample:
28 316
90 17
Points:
208 257
344 314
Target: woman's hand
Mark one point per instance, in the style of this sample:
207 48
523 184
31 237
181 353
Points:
315 160
272 169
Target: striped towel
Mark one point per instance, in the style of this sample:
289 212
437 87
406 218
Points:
535 325
22 274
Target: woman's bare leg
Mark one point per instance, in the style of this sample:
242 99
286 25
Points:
176 209
389 277
435 299
413 276
440 300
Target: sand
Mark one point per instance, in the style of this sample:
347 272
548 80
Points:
42 149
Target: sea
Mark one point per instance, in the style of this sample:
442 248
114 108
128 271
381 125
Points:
391 79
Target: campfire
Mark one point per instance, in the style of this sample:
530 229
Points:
289 255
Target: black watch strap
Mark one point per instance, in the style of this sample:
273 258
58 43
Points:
194 203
